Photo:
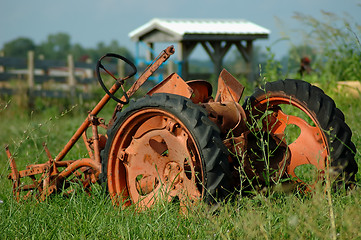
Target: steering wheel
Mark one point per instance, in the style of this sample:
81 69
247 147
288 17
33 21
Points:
119 81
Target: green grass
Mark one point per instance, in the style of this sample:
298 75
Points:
281 217
277 216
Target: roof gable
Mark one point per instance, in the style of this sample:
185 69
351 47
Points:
180 29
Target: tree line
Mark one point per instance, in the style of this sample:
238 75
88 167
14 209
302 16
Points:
332 44
57 46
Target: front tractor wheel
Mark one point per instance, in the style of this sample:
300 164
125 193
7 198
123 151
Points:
164 147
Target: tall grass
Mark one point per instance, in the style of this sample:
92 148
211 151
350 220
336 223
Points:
279 215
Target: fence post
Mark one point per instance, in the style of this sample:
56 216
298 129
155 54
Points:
71 77
2 68
170 68
31 82
121 68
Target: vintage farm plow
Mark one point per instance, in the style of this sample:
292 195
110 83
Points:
180 142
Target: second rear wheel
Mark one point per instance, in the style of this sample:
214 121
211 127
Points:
315 130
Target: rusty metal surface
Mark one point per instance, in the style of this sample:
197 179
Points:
154 156
202 91
153 146
173 84
310 147
54 173
228 116
229 89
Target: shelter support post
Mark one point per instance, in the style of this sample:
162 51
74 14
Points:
186 48
216 50
247 54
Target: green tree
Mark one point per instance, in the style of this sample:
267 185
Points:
57 46
101 49
18 47
79 53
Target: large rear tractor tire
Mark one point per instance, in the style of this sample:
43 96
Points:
317 136
164 147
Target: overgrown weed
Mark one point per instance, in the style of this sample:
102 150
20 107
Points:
275 215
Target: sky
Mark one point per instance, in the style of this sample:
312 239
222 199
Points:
89 22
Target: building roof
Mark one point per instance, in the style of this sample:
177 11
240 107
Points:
188 29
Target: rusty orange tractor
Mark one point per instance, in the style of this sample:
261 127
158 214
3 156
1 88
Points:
179 142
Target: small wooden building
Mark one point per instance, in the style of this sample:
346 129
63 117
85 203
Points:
215 36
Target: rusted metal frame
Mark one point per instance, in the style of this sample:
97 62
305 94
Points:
78 173
38 168
141 80
51 177
84 126
158 61
14 174
173 84
49 180
87 145
78 164
51 184
94 160
36 183
96 148
150 70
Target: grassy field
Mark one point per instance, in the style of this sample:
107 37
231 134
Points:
278 216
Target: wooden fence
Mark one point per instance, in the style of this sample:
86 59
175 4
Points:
49 78
58 78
